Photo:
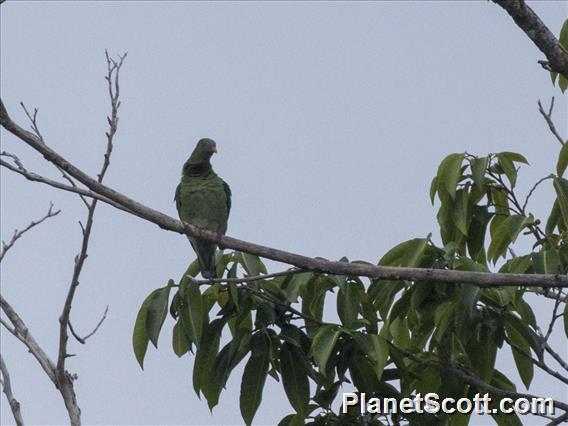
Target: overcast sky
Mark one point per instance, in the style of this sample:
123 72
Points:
331 119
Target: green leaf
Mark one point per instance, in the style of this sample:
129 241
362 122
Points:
553 218
505 234
140 336
348 305
251 263
254 377
408 253
506 163
547 261
521 355
562 82
192 315
561 188
157 312
294 377
562 160
363 375
433 189
553 77
296 286
460 213
323 345
180 344
514 156
449 173
377 350
203 368
478 168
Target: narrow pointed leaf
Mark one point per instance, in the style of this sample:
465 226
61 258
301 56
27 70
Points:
562 160
294 377
156 314
323 345
180 344
561 188
140 336
254 377
449 173
478 168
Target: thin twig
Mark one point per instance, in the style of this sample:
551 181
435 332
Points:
248 279
542 365
548 119
529 195
83 340
18 234
7 388
64 320
465 376
563 418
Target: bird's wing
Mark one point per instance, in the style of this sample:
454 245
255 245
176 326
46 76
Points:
227 189
177 198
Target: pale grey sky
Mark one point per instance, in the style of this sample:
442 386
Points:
331 119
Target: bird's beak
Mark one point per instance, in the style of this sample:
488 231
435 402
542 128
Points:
214 150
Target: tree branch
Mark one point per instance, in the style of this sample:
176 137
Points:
17 234
542 37
461 373
481 279
548 118
83 340
21 331
67 390
7 388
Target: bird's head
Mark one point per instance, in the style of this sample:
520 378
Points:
203 151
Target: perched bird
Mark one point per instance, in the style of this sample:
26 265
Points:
203 199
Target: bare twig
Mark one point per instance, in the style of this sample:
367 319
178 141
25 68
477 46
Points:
556 356
64 320
17 234
548 118
542 365
83 340
7 388
74 189
529 195
542 37
558 420
553 319
465 376
248 279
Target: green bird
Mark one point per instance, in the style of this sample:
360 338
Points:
203 199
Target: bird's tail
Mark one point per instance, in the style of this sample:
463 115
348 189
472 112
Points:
206 256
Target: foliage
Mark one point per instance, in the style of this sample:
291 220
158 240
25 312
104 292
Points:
563 39
389 332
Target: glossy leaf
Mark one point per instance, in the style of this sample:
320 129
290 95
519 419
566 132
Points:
348 305
192 315
323 345
561 188
157 312
505 234
547 261
203 368
521 355
449 173
254 377
140 336
478 168
408 253
180 344
294 377
562 160
252 264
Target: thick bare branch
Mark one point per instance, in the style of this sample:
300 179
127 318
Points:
481 279
7 388
542 37
21 331
18 234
